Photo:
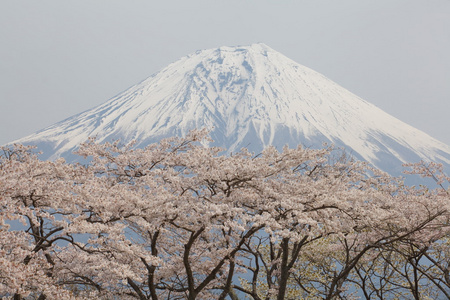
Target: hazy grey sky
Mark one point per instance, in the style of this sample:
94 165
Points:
59 58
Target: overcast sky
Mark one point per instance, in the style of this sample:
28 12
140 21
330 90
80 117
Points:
59 58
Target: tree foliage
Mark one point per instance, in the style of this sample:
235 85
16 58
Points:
178 220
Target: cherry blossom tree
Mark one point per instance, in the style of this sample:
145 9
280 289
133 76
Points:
35 198
180 220
382 213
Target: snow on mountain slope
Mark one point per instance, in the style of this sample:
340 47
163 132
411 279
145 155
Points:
250 97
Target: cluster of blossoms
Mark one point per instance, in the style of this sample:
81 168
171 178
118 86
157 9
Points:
178 220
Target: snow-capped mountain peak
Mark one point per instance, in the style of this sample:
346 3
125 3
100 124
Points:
249 96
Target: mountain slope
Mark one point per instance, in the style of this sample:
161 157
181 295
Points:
250 97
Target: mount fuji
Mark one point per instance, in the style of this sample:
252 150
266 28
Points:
249 96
